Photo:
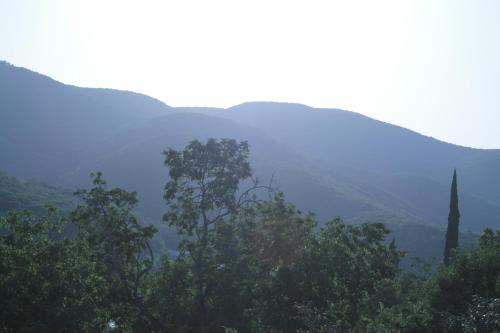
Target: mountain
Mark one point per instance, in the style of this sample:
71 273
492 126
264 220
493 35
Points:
406 171
329 161
47 128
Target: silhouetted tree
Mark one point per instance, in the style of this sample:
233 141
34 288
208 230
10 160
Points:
453 221
392 246
202 194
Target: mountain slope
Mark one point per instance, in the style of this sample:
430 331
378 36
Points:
414 169
47 127
34 196
332 162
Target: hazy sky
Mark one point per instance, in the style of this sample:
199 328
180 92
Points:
431 66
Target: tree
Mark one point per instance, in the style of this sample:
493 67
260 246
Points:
277 240
47 283
392 245
171 296
331 280
118 246
453 221
349 272
203 193
467 291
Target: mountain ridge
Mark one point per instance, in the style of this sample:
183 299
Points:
330 161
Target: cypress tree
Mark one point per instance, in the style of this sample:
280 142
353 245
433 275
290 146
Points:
392 246
453 220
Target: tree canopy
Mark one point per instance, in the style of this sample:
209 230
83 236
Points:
246 263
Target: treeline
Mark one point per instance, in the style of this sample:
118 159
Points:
248 262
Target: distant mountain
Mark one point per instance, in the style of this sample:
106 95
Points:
47 128
401 169
329 161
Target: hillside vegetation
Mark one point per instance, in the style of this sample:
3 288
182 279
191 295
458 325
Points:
245 264
33 196
329 161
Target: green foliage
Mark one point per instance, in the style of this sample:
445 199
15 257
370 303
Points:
119 248
57 282
298 279
281 234
36 197
275 239
483 315
202 196
244 265
204 179
356 260
348 274
47 282
170 296
469 282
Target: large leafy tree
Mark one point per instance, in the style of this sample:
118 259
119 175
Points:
278 239
118 246
89 270
339 282
47 282
468 289
203 193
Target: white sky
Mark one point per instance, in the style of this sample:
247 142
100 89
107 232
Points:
428 65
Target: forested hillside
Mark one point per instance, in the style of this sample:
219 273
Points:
331 162
33 196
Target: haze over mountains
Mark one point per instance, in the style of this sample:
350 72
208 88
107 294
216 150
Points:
329 161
